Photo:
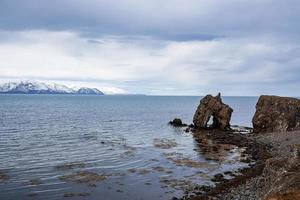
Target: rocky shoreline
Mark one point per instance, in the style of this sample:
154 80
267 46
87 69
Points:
276 156
274 161
256 151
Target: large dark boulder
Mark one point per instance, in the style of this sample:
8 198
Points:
276 114
213 107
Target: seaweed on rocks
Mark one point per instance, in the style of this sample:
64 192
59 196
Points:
84 177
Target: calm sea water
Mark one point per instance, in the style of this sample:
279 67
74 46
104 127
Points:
111 135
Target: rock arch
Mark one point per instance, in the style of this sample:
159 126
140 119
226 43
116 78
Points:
213 107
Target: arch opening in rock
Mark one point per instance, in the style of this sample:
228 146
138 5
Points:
212 122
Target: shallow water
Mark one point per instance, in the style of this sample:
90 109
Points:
111 135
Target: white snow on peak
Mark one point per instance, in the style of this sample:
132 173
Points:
7 86
58 87
40 87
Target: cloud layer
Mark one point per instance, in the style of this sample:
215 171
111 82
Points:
154 47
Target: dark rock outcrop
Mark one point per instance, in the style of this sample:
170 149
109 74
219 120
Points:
213 107
177 123
276 114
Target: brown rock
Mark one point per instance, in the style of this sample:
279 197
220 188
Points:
213 107
276 114
283 178
285 196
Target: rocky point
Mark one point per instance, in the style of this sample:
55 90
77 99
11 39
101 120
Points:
276 114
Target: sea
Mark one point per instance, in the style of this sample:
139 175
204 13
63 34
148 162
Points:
122 143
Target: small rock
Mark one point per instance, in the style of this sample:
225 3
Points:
177 123
228 173
218 178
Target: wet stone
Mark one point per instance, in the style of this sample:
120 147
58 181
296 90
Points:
132 170
228 173
218 178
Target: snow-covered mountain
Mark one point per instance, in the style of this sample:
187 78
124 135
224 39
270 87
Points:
32 87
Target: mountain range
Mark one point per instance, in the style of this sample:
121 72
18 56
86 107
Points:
33 87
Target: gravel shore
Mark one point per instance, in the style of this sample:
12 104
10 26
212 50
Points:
282 147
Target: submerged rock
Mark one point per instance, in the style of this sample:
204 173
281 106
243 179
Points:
164 143
66 166
276 114
213 107
83 177
32 194
82 194
36 181
3 177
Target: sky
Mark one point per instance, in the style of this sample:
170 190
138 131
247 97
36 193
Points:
154 47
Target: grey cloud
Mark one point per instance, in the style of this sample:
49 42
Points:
168 20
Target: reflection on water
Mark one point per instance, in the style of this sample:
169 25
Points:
213 150
115 147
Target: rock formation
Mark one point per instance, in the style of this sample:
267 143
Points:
177 123
276 114
212 107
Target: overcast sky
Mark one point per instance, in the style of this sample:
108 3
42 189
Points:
171 47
